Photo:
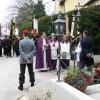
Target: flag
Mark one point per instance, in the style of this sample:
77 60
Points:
35 27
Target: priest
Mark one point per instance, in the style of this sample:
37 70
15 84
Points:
43 53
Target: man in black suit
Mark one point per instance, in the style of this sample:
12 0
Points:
86 58
0 47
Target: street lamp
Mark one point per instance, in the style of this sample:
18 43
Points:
75 19
60 26
60 29
76 15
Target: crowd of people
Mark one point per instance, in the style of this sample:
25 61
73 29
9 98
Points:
47 50
9 46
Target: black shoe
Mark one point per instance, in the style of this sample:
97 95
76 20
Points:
32 84
20 87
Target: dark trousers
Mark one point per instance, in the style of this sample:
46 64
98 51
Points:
9 52
22 73
13 50
5 51
64 63
17 52
54 63
0 50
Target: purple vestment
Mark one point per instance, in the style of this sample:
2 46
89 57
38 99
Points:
39 54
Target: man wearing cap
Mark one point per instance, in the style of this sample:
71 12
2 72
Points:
26 50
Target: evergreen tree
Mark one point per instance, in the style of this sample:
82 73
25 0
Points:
39 9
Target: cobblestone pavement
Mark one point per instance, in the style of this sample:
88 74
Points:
9 71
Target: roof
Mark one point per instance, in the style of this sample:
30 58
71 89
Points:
61 2
89 2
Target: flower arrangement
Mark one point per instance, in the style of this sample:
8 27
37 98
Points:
43 96
75 78
96 70
87 75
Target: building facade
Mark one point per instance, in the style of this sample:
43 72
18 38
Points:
69 5
64 6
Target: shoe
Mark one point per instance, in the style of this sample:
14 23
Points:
20 87
32 84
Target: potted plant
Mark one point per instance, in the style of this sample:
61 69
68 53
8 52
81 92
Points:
92 74
75 78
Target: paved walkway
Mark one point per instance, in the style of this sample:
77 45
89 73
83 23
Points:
9 71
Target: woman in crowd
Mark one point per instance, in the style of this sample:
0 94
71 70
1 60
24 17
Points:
65 52
54 47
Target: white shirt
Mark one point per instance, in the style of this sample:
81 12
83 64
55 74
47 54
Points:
44 42
78 51
54 49
78 48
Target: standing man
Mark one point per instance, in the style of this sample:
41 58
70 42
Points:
5 47
43 53
17 46
0 47
86 58
26 50
9 44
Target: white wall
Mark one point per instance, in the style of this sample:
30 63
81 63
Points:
58 91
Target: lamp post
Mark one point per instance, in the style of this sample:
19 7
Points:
76 15
60 29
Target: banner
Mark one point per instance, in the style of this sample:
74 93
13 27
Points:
35 27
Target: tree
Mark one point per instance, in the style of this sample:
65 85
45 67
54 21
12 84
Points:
39 9
26 9
90 21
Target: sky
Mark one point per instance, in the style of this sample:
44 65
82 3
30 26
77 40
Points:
4 4
4 8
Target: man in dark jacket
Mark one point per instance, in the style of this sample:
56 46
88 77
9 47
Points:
0 47
9 44
5 46
86 58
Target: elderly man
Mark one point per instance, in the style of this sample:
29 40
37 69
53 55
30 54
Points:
43 53
27 50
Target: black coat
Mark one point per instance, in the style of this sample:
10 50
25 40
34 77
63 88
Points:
86 45
86 48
